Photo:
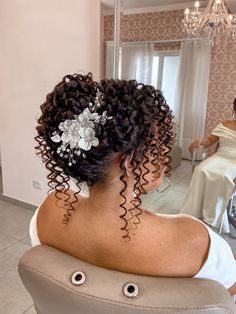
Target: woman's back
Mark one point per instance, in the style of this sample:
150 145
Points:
159 247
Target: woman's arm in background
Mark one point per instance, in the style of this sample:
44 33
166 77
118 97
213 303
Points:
207 141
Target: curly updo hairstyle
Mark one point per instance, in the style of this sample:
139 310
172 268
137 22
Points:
141 124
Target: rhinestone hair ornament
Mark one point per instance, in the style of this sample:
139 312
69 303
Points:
78 135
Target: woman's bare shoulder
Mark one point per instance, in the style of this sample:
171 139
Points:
52 210
58 199
228 122
51 197
181 244
192 226
185 224
194 241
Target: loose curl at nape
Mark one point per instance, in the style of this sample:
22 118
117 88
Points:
141 126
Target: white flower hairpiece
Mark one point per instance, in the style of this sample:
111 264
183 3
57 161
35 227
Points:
78 135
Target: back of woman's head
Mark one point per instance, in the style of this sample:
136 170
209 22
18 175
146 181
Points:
128 118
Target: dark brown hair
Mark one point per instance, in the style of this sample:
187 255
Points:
138 111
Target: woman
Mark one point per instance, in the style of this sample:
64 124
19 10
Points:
213 181
114 137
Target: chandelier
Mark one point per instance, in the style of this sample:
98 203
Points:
213 25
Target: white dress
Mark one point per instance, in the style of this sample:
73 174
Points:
212 182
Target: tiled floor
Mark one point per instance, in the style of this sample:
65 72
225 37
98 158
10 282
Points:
14 239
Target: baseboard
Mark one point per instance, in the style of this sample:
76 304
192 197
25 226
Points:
17 202
14 201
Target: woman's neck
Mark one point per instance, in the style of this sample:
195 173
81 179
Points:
108 196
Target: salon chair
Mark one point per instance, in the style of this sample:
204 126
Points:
176 156
60 284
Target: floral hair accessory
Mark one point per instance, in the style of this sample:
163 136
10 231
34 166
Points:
78 135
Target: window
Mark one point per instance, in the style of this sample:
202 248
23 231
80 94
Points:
165 72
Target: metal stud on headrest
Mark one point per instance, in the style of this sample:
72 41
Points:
131 290
78 278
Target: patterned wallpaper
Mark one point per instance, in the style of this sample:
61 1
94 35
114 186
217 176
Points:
167 26
222 85
108 27
147 26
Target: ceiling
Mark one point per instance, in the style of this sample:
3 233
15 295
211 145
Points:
135 4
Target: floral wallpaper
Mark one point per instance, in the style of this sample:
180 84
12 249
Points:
167 26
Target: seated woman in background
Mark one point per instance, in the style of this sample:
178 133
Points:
213 180
114 137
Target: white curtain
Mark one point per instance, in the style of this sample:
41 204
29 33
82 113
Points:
192 92
137 62
109 59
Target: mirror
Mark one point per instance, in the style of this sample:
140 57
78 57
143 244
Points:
144 32
150 51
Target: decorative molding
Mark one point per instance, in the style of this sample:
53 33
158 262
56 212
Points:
160 8
107 12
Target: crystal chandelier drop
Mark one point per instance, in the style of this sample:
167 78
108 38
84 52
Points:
213 25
